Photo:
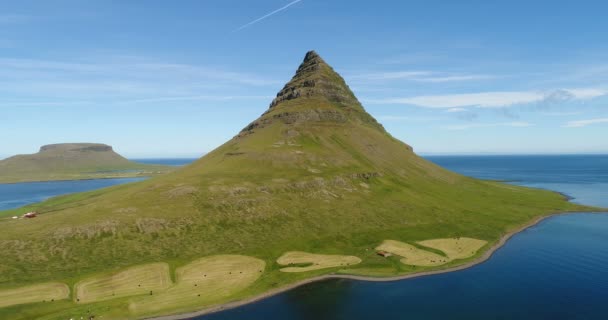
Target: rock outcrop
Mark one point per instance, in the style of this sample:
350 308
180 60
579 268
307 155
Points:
314 82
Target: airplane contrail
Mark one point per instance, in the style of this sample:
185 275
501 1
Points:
266 16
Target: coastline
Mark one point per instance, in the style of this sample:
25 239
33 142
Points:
485 256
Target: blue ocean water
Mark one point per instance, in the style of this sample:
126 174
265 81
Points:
582 177
557 269
15 195
166 161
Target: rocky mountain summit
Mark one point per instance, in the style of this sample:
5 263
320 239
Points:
315 78
316 93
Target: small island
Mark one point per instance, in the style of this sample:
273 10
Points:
74 161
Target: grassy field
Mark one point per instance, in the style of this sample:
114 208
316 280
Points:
455 248
39 293
202 282
311 261
315 173
133 281
449 249
413 255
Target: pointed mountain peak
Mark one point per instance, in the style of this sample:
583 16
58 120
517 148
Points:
315 94
316 79
311 55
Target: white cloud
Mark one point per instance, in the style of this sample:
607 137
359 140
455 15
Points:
560 113
395 75
456 110
584 123
470 77
482 99
404 118
124 69
114 79
518 124
587 93
418 76
198 98
493 99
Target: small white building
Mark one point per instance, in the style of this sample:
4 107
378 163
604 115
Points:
32 214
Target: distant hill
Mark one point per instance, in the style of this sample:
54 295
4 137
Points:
315 180
72 161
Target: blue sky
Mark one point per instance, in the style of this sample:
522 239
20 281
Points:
178 78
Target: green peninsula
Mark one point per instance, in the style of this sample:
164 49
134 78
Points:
74 161
314 187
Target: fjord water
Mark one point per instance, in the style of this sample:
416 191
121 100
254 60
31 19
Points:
15 195
556 269
176 162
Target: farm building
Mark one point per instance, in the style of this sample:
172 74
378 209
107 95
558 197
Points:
30 215
384 254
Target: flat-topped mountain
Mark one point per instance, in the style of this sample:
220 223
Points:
67 161
311 187
76 147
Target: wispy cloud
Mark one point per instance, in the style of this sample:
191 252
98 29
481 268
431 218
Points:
124 69
495 99
393 75
405 118
470 77
266 16
456 110
584 123
482 99
418 76
199 98
560 113
126 79
518 124
411 58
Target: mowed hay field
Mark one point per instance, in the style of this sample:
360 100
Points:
202 282
133 281
34 293
455 248
316 261
412 255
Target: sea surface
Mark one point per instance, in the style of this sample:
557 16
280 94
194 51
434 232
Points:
15 195
557 269
177 162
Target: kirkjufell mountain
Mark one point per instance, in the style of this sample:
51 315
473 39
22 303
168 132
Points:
312 187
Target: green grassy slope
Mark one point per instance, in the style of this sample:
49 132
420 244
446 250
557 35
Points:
315 173
73 161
